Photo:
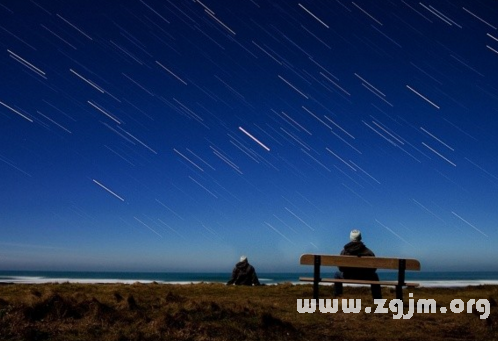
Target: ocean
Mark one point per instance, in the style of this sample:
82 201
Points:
433 279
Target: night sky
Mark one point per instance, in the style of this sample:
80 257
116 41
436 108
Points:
149 135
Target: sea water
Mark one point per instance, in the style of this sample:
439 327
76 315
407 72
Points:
433 279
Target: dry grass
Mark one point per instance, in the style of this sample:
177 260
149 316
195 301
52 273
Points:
217 312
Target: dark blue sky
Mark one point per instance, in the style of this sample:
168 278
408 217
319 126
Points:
177 135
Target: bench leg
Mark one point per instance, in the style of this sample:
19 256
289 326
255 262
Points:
401 278
316 277
399 292
315 291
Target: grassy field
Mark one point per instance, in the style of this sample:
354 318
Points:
218 312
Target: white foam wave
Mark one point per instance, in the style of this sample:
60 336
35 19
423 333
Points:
46 280
267 281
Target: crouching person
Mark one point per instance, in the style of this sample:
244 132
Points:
243 273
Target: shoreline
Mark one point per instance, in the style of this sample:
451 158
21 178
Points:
41 280
425 279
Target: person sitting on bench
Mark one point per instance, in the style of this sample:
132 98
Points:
356 248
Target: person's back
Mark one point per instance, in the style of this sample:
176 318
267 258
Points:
356 248
243 273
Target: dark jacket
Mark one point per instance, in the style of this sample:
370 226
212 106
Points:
356 249
243 274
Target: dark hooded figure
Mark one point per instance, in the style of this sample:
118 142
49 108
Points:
243 273
356 248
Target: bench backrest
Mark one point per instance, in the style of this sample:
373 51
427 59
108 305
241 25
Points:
360 262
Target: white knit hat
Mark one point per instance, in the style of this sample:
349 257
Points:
243 258
355 236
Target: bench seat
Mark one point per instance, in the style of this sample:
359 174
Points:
357 281
367 262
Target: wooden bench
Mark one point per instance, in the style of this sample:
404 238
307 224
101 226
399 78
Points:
359 262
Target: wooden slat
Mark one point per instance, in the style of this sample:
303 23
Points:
360 262
356 281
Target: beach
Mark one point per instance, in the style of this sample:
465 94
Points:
214 311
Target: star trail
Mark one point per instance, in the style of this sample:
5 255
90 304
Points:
177 135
